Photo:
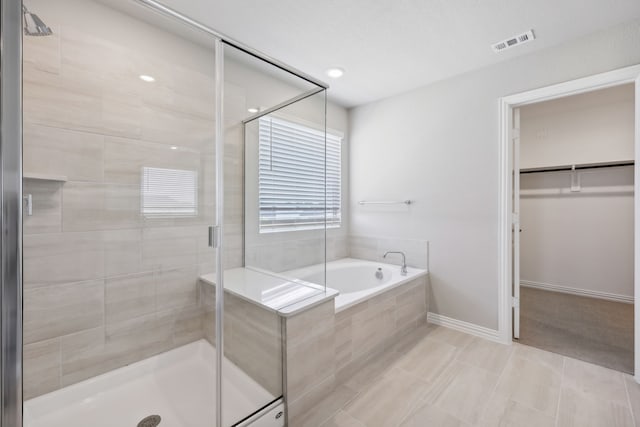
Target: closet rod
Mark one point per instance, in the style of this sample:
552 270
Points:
578 167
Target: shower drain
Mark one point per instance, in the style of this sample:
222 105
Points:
150 421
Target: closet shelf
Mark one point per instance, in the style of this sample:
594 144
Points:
578 166
44 177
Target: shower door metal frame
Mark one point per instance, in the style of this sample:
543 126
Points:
219 244
159 7
11 216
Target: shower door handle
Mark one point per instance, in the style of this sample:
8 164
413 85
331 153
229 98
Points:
214 236
28 201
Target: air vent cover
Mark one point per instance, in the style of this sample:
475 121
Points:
513 41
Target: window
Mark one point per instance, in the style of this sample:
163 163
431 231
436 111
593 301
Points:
291 183
169 192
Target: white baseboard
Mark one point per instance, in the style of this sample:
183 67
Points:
581 292
466 327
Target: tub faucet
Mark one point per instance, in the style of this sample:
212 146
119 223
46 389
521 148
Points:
403 269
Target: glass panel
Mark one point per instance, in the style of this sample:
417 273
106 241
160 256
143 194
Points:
119 164
256 288
291 185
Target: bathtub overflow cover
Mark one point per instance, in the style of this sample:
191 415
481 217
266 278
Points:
150 421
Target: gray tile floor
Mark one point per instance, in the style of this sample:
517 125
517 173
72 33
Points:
443 378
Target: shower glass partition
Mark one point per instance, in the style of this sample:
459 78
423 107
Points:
136 220
255 91
287 194
120 189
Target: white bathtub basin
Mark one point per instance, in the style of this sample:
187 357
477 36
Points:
355 279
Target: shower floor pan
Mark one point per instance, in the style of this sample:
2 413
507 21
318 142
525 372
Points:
178 385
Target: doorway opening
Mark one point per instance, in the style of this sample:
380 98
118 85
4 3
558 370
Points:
568 242
574 204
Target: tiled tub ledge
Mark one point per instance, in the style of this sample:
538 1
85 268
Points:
256 306
324 348
280 294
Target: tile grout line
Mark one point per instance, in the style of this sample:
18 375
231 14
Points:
360 390
432 383
495 387
323 421
342 408
564 360
419 402
626 388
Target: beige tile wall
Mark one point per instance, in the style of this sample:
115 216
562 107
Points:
252 338
293 253
325 349
104 285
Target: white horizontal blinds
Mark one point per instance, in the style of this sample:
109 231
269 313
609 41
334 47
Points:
169 192
292 176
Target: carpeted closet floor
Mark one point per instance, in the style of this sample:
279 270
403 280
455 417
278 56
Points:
593 330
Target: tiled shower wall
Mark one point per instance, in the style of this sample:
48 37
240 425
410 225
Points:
104 285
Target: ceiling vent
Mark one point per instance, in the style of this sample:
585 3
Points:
513 41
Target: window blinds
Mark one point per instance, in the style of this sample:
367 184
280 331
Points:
169 192
292 177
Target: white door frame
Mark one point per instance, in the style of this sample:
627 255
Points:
507 104
515 144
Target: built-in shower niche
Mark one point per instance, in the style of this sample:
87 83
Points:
42 202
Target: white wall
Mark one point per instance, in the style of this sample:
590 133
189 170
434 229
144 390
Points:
580 240
439 145
592 127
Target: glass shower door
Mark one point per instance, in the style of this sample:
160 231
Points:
125 152
120 185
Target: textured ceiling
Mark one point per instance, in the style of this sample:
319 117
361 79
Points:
388 47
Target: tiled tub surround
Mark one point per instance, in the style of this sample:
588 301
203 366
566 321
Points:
324 348
372 248
291 253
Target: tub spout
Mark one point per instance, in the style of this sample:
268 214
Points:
403 269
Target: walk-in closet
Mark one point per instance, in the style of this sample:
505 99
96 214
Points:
576 239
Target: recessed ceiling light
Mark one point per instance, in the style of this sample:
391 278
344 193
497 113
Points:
173 147
253 110
146 78
335 73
